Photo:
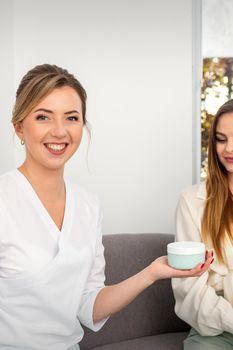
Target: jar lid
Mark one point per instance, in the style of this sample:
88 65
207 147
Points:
186 248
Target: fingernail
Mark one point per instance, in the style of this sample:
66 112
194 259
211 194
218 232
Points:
212 261
202 266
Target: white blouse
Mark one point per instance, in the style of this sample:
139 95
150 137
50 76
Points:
205 302
49 279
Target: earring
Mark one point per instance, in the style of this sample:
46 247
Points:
22 142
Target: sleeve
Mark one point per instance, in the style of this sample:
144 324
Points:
196 302
94 284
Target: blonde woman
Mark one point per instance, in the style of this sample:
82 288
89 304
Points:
51 253
205 212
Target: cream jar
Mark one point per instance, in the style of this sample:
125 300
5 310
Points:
185 255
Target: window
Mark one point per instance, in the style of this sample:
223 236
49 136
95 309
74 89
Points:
217 88
217 64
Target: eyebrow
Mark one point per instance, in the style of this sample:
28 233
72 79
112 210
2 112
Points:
49 111
220 133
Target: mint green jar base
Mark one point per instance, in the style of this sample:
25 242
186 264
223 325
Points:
185 262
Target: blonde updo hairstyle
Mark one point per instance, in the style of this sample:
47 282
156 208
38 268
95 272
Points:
38 83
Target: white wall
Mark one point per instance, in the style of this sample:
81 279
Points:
6 85
134 58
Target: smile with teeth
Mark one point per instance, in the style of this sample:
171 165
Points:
55 147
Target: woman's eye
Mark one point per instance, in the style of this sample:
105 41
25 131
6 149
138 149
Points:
220 140
41 117
73 118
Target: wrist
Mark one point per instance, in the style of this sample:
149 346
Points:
150 275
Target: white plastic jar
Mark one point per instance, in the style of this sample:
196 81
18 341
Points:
185 255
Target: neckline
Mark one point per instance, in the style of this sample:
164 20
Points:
41 210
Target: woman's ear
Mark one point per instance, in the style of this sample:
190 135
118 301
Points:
19 130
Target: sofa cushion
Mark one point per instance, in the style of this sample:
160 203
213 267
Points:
152 312
168 341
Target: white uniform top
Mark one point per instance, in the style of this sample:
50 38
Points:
198 299
49 279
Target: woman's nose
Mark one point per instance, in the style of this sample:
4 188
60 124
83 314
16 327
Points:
229 146
58 129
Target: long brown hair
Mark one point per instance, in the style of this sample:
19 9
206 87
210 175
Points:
217 220
39 82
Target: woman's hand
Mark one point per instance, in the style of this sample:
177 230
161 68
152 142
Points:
113 298
159 268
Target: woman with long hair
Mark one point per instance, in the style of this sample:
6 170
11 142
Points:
205 213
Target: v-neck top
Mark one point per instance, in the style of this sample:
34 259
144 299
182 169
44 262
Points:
33 238
42 211
49 278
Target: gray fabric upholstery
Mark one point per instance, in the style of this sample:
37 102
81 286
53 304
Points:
150 318
171 341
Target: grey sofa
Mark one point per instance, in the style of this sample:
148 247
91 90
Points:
149 322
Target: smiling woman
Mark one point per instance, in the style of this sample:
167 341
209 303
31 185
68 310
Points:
224 145
51 253
52 135
205 213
